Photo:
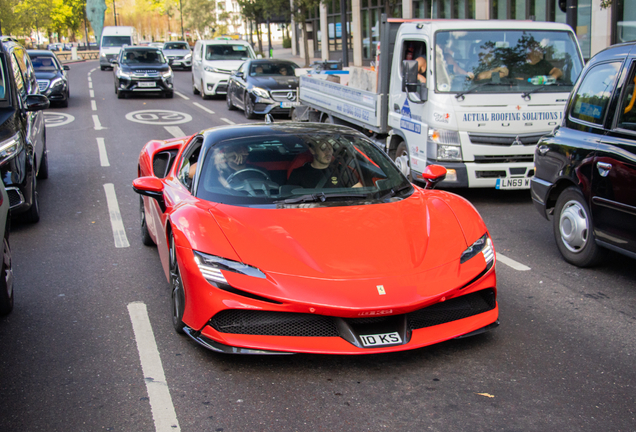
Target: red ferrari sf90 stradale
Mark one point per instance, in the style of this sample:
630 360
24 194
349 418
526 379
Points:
301 238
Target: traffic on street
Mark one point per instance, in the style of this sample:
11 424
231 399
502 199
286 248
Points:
91 343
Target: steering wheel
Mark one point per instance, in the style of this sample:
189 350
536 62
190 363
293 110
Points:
233 175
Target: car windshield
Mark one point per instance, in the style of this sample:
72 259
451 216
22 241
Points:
263 69
176 46
299 168
115 41
44 63
228 52
136 57
505 61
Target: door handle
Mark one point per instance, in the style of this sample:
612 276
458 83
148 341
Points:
603 168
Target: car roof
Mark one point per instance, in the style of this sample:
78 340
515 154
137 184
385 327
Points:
273 60
41 53
224 42
140 48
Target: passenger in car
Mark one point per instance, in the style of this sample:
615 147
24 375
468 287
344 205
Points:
324 171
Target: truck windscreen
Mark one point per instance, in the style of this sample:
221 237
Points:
115 41
509 61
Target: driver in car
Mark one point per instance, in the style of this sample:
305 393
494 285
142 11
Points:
324 171
231 164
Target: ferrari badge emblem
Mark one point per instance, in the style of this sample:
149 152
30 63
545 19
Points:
334 180
381 290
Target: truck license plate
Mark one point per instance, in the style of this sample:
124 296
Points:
147 84
381 339
513 183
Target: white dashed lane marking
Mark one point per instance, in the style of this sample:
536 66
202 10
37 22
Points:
103 156
161 404
119 232
93 105
181 95
511 263
98 125
207 110
92 93
228 121
175 131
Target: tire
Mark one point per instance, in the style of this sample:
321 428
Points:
574 229
6 278
103 68
203 95
248 106
146 239
169 95
64 103
43 171
33 214
228 100
120 94
195 90
402 160
177 296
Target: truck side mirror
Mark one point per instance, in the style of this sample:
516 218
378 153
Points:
410 83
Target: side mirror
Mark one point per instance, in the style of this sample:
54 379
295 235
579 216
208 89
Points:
114 62
66 67
410 83
238 74
170 61
37 102
433 174
149 186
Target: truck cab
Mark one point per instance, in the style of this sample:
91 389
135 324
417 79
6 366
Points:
493 90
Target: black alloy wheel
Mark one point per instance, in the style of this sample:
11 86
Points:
248 105
6 278
177 295
145 234
33 214
228 100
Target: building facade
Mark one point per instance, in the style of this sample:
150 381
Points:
599 23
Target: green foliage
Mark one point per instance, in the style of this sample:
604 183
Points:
199 14
286 43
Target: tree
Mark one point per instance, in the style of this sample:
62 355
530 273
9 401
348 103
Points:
199 14
300 11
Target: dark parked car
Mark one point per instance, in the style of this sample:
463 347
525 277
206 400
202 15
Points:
22 134
178 54
263 87
6 266
51 76
142 69
586 169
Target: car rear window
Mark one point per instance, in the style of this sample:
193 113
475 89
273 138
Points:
593 95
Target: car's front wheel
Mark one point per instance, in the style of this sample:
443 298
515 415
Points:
248 106
195 90
33 214
573 229
177 295
228 100
6 278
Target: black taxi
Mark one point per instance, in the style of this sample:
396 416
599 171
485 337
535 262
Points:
585 178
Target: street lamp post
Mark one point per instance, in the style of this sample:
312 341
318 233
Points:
37 31
114 12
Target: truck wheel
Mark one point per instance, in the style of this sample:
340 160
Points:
573 229
402 160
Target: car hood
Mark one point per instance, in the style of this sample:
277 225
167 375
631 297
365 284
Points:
227 65
275 82
361 241
46 75
160 67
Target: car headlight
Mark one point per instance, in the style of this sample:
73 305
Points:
56 82
215 70
121 74
102 54
484 246
167 74
445 144
210 267
260 92
9 148
187 56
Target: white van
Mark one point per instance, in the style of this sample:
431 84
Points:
113 38
212 63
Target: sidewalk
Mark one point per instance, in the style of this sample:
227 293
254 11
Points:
286 54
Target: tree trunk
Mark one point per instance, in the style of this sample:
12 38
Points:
305 38
259 36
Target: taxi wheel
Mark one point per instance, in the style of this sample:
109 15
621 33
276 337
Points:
177 296
6 278
573 229
249 106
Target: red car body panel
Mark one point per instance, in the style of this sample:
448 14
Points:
327 261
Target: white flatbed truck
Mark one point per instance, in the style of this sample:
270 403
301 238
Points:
480 112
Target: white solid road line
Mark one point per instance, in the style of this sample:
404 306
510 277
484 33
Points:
98 125
228 121
511 263
202 107
119 232
93 105
181 95
103 156
161 405
175 131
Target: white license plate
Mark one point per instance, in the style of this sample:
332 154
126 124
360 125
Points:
288 104
381 339
513 183
147 84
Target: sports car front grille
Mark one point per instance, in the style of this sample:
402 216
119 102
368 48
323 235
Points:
266 323
273 323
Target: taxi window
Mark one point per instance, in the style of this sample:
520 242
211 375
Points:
627 104
592 97
19 80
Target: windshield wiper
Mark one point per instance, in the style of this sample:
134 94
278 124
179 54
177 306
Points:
318 197
395 192
476 87
541 87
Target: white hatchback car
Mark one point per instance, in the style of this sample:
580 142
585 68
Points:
212 63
